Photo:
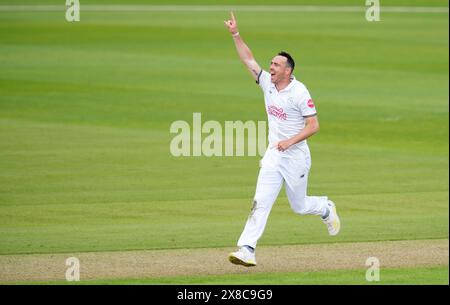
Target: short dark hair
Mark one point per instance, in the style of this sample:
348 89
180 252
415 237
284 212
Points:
290 61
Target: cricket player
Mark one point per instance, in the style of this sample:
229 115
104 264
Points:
292 119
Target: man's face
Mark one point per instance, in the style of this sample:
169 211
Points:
279 69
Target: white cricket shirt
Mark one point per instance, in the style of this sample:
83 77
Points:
286 113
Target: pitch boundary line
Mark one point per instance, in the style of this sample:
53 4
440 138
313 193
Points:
220 8
185 262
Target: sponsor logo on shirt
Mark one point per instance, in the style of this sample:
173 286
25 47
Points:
310 103
277 112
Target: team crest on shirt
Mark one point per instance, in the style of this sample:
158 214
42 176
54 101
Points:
310 103
291 99
277 112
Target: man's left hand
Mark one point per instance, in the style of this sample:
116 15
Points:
283 145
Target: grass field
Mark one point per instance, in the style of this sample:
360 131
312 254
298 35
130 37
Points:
413 276
85 111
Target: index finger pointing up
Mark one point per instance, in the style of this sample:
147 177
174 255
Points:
232 17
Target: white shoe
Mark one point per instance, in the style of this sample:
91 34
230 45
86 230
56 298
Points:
332 221
243 257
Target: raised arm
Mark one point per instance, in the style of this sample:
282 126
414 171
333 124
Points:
243 50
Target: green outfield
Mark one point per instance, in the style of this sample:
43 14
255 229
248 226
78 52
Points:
86 107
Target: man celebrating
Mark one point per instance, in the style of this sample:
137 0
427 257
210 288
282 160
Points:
292 119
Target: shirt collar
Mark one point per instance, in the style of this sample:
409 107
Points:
288 87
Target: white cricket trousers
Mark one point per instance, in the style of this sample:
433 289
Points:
275 170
